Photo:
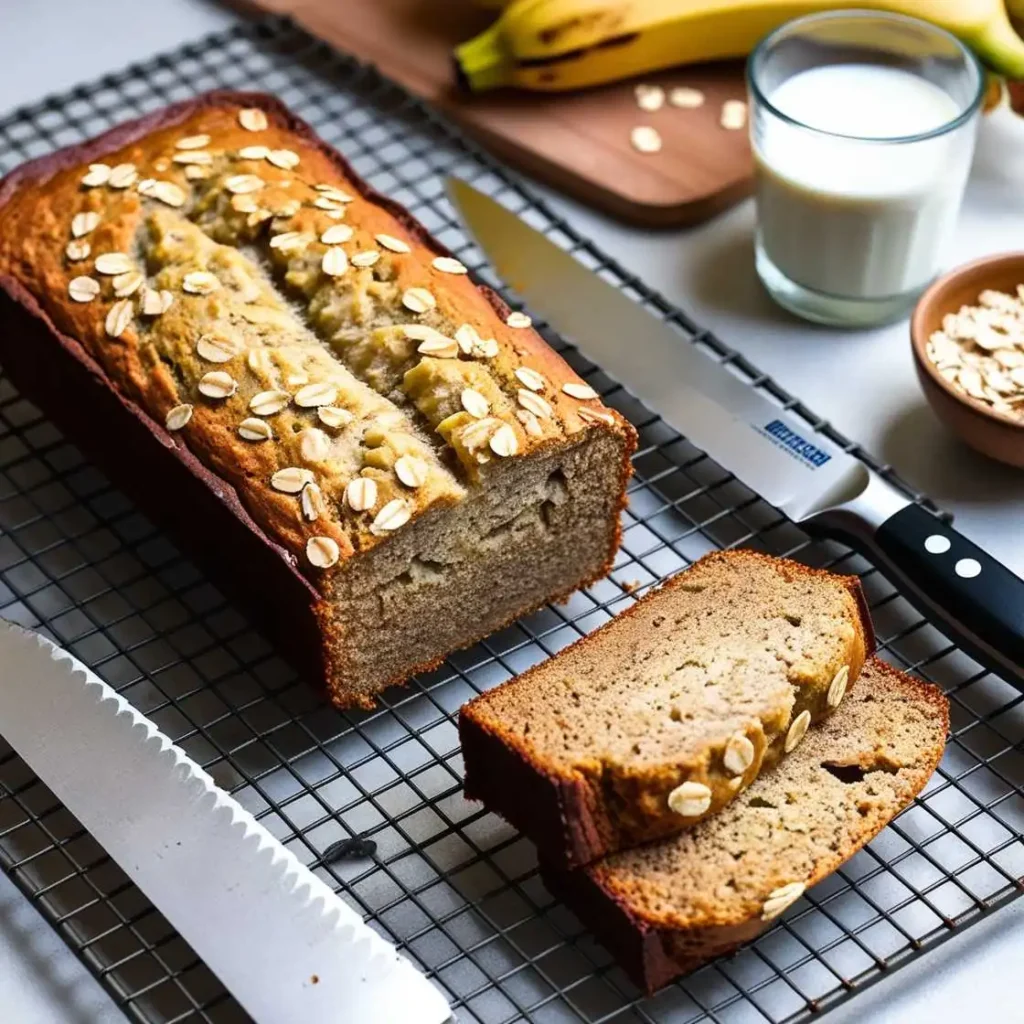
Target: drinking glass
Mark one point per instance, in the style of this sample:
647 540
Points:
860 172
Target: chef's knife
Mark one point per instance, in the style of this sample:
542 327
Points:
282 942
974 599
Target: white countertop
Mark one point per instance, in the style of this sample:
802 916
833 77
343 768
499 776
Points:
863 381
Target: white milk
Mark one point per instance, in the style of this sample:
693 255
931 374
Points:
858 219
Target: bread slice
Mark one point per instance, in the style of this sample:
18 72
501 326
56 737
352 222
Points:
663 909
662 716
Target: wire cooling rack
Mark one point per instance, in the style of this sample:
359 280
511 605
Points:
456 888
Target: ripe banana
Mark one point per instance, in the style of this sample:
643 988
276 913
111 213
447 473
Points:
553 45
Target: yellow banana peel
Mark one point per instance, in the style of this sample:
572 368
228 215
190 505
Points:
554 45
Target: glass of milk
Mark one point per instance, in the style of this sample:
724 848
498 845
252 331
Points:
862 126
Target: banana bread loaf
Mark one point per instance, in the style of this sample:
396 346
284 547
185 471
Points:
665 908
663 715
361 443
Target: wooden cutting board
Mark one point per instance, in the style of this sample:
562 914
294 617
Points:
577 142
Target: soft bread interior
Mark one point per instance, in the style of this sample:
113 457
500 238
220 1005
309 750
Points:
664 715
542 526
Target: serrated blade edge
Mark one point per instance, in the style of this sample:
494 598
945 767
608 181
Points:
286 946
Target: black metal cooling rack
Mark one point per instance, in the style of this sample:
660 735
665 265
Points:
454 887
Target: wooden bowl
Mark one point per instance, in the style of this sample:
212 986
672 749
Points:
992 433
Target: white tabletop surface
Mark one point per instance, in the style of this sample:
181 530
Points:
863 381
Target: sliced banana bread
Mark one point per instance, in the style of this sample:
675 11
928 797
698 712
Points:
360 442
662 716
664 908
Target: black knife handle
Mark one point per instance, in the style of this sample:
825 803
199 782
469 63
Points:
974 599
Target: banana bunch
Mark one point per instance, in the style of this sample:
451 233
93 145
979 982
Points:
554 45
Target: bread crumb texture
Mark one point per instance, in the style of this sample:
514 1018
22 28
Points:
672 709
794 825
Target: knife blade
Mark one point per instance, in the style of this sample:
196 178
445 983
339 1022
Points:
282 942
968 594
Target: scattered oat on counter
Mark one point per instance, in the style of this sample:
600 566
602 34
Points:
649 97
645 139
734 115
685 97
980 351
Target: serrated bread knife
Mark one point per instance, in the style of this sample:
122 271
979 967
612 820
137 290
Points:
282 942
974 599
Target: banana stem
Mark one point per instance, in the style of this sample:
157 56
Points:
483 62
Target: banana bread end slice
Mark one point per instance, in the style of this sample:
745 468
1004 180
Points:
664 715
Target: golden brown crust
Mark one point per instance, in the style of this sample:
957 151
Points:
180 494
151 360
119 387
